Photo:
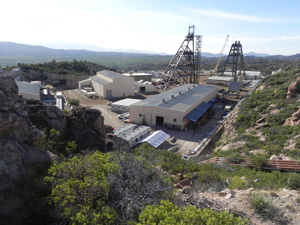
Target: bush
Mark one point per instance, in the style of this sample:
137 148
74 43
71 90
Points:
73 101
167 213
259 201
259 161
294 181
238 183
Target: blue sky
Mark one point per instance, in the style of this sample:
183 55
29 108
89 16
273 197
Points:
271 27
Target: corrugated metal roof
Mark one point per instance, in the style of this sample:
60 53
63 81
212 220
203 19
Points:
126 102
183 97
220 78
100 80
198 112
156 138
28 88
110 74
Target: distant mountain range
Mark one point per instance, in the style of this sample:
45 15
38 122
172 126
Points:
16 49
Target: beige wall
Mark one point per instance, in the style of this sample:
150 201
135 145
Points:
149 113
98 88
120 87
84 82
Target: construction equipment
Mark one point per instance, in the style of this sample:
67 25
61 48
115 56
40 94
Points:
184 66
220 57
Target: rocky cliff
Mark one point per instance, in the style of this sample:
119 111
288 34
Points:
16 136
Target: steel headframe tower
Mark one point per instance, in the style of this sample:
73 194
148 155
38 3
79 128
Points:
183 67
235 61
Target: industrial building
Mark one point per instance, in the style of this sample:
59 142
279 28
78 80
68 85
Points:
133 133
176 108
141 86
123 106
109 84
219 80
29 90
139 76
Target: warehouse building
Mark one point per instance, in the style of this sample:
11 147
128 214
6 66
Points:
176 108
109 85
123 106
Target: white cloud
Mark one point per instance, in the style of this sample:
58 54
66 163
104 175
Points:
213 13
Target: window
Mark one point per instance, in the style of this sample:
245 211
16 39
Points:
140 115
175 120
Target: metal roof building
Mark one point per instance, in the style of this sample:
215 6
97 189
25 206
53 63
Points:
218 80
28 90
169 108
123 105
140 76
109 84
133 133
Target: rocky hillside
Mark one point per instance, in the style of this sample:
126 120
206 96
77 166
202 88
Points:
22 122
266 122
16 136
58 74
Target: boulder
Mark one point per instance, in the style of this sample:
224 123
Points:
294 120
293 89
275 157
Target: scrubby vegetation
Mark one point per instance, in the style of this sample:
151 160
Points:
261 118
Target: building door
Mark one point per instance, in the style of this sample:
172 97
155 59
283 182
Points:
159 121
109 94
142 89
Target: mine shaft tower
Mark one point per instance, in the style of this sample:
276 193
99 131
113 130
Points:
184 67
235 61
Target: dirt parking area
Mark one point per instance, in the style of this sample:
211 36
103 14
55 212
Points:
185 140
110 117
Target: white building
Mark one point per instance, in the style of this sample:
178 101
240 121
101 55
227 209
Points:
172 108
133 133
219 80
29 90
141 86
110 85
123 106
140 76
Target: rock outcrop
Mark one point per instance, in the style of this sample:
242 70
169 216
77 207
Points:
293 89
86 127
16 136
294 120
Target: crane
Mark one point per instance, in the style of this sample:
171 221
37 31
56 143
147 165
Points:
220 57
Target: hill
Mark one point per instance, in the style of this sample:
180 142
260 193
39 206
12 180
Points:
11 54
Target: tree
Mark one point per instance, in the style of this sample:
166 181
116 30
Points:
80 189
134 184
166 213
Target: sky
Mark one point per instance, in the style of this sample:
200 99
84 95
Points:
271 27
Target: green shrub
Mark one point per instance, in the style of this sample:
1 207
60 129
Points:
167 213
294 181
73 101
259 201
259 161
238 183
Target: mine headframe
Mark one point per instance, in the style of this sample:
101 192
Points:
185 63
234 64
